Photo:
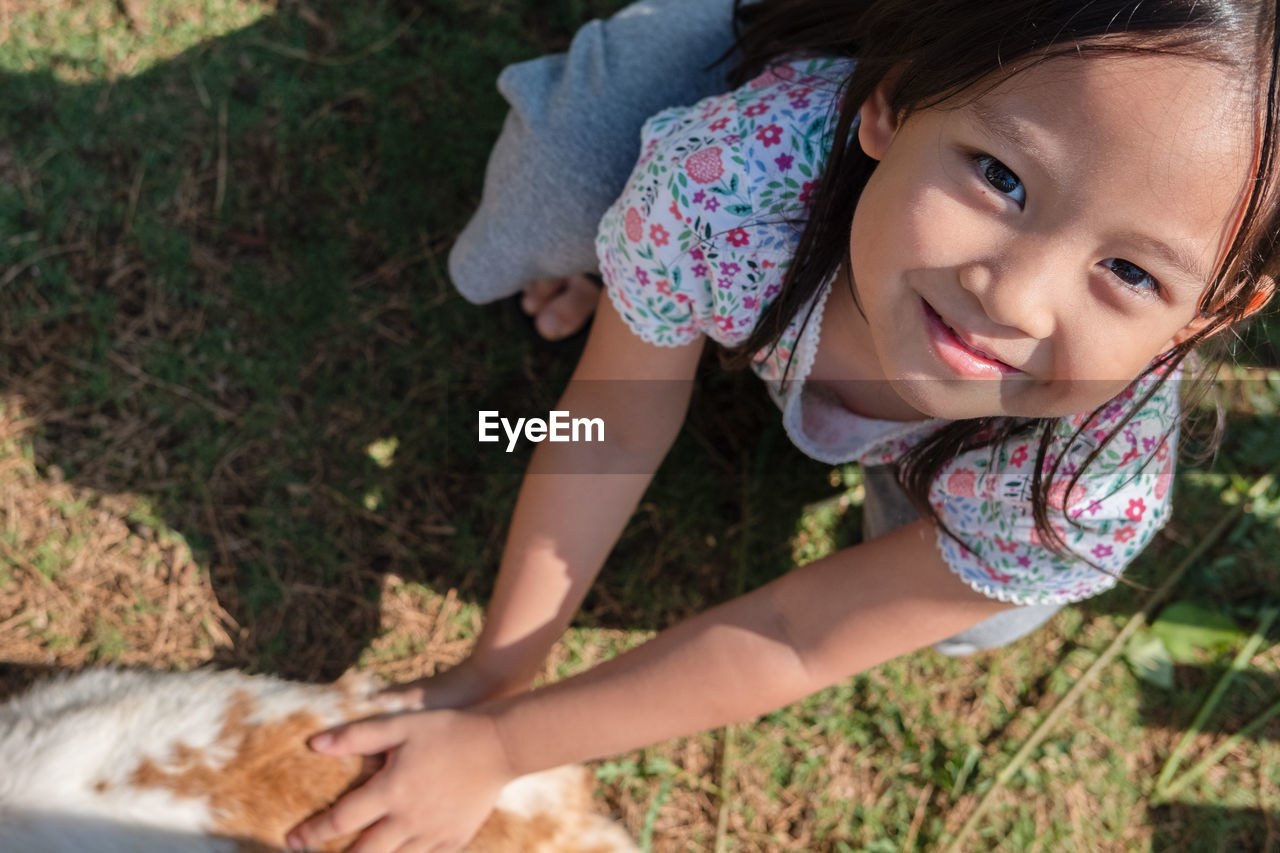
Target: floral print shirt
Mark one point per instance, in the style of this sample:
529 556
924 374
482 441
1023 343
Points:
698 244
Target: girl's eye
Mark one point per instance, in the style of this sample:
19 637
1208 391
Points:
1134 276
1001 178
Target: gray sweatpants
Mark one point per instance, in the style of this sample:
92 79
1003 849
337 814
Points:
567 147
572 137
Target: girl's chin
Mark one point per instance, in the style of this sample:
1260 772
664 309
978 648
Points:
962 399
952 399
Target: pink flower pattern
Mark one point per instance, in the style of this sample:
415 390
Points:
707 216
634 226
1136 509
961 482
770 135
705 166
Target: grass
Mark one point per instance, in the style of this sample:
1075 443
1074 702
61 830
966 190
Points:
237 401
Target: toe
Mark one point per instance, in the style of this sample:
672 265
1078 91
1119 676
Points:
541 291
569 310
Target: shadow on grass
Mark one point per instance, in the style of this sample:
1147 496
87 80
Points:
1237 830
225 293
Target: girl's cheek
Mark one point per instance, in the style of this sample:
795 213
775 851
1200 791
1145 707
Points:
941 230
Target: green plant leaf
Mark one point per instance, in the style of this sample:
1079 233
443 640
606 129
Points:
1190 630
612 771
1150 660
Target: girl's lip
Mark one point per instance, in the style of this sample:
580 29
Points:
958 355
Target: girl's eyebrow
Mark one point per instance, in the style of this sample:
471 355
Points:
1175 256
1007 128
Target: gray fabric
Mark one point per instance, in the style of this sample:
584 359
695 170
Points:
887 507
572 137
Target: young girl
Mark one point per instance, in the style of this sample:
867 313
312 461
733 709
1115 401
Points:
971 240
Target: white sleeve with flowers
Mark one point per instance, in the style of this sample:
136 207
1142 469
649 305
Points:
1105 520
701 237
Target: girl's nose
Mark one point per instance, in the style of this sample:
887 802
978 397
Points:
1022 288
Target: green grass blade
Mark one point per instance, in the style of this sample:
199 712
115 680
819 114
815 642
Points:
1164 788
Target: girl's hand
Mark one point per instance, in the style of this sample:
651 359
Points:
443 773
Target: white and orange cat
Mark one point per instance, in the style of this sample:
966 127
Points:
117 761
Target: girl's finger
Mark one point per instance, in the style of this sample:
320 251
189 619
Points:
414 845
385 836
358 809
418 845
442 847
368 737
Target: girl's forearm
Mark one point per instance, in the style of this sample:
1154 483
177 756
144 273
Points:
562 531
697 675
573 505
567 520
803 632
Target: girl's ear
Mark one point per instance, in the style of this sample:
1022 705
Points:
877 121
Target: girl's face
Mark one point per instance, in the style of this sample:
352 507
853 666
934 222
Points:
1050 237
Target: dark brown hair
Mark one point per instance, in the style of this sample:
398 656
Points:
943 49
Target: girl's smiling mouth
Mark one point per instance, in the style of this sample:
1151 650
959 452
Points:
958 355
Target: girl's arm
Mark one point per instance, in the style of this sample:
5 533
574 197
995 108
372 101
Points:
573 505
809 629
805 631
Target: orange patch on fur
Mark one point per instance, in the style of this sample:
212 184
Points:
270 783
504 832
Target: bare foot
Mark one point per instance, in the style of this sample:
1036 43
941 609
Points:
560 306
